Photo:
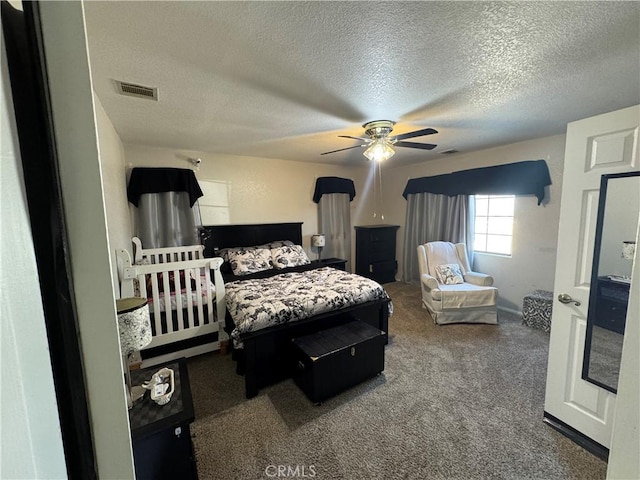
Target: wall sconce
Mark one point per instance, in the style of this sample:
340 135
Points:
318 241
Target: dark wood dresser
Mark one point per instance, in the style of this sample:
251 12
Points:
611 304
376 252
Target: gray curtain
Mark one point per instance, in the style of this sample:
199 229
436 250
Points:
431 218
334 221
167 220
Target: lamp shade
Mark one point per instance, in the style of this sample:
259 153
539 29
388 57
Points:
133 323
317 240
628 250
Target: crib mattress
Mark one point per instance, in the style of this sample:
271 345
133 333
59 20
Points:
183 301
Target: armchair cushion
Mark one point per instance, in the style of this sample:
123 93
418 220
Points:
443 253
465 295
480 279
449 274
428 281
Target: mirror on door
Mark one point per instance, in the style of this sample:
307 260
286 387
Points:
614 249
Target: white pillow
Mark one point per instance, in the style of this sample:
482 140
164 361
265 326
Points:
244 262
289 256
449 274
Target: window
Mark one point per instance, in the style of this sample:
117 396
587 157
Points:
494 224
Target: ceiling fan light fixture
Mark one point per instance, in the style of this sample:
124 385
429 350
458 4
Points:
379 151
379 142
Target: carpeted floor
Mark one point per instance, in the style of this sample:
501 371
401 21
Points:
454 402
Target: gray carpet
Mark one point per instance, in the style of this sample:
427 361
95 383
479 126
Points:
454 402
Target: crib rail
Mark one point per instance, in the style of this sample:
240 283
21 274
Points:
186 300
167 254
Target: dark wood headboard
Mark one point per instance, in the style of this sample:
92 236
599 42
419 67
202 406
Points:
225 236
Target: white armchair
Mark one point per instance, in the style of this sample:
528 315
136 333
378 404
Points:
455 294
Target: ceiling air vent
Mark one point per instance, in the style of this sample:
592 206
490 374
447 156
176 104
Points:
133 90
450 151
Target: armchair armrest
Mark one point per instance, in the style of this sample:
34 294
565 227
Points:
479 279
428 281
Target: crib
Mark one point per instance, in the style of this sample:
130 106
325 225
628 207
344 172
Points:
186 297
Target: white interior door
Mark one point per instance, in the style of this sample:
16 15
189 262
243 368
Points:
595 146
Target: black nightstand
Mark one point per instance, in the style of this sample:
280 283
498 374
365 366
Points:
162 447
339 263
612 299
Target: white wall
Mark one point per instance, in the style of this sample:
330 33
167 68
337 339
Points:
30 435
620 223
261 190
114 183
532 263
81 180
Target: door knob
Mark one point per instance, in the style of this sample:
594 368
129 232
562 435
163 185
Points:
566 298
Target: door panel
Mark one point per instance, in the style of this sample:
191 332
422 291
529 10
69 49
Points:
615 149
595 146
587 232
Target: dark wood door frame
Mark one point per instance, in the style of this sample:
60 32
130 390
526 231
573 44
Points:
34 121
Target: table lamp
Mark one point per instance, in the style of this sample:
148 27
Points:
134 326
318 241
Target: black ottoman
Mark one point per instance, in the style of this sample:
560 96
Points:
332 360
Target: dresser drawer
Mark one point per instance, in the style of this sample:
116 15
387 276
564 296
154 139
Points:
383 250
384 272
383 235
611 314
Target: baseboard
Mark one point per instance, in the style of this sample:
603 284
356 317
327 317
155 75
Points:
581 439
510 310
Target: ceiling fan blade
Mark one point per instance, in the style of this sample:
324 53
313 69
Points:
423 146
341 149
417 133
355 138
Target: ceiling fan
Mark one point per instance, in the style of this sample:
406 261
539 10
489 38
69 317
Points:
379 144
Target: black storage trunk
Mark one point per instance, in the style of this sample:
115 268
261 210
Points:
332 360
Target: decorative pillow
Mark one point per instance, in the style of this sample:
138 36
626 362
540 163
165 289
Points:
449 274
244 262
281 243
289 256
225 252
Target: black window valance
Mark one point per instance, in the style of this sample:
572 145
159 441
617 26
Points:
158 180
521 178
334 185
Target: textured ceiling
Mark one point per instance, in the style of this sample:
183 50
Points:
284 79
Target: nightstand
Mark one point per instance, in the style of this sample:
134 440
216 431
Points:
161 438
611 304
339 263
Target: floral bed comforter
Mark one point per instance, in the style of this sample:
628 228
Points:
261 303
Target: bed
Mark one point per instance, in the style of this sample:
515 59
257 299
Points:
262 347
186 298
